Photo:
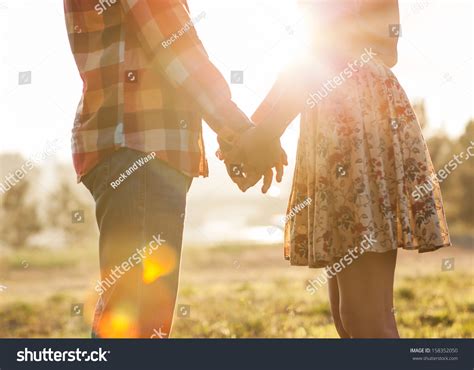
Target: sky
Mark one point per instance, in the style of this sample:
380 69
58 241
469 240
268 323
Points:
257 37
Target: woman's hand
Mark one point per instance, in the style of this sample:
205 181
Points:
252 158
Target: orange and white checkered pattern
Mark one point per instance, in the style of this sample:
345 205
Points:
141 91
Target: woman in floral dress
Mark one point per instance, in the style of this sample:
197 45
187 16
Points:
361 156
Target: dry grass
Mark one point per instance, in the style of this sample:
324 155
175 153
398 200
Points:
234 292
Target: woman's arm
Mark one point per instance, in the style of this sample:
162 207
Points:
258 145
282 104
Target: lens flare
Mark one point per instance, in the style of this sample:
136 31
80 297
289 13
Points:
160 263
118 324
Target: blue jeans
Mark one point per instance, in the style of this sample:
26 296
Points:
140 209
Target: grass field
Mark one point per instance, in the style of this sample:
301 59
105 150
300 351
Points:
234 292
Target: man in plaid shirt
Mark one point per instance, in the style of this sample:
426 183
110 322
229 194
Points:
137 143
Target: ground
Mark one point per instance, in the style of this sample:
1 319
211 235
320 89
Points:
234 292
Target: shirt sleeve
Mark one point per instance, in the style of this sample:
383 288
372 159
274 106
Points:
166 32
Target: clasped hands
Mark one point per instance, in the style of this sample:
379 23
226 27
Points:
253 157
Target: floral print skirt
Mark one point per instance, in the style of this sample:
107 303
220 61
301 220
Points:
363 171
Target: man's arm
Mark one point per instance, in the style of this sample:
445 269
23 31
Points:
166 33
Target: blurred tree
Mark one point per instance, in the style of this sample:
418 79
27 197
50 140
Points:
67 211
420 111
440 147
19 215
457 187
465 177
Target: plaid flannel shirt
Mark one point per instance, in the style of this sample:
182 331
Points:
148 83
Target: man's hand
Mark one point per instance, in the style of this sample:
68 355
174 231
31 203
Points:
252 158
253 176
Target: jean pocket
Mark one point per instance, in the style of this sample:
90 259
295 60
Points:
96 180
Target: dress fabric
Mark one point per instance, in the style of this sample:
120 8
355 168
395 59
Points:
362 170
